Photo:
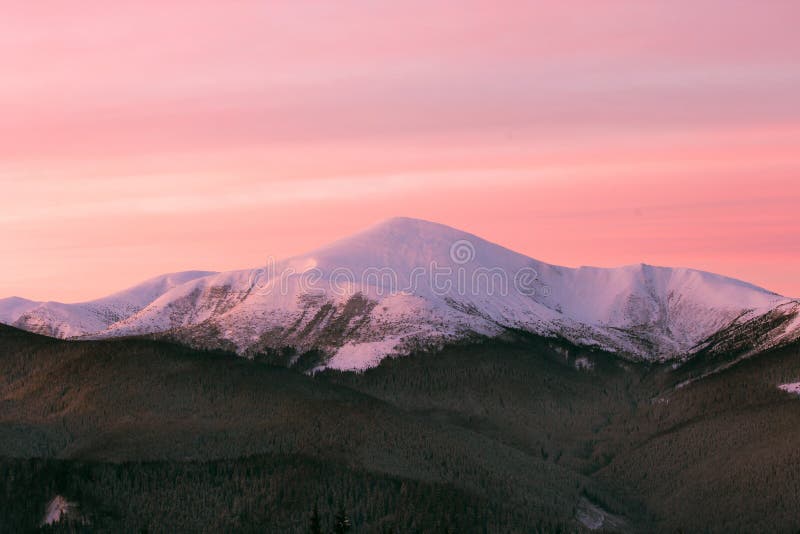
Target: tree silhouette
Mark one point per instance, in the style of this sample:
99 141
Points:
315 526
341 523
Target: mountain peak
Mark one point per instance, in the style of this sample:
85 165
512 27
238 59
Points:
401 221
406 282
398 228
411 251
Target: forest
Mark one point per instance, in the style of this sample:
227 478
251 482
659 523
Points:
521 434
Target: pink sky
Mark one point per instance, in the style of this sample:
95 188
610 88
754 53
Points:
138 138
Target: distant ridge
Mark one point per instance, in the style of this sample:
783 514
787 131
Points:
70 320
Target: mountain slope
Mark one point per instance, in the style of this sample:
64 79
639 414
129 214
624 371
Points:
68 320
497 436
407 284
128 401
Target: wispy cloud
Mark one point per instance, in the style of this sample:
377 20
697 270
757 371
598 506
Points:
567 130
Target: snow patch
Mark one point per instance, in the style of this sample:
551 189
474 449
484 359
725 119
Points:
56 510
791 388
361 356
593 517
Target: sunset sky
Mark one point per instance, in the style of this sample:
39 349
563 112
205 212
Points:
138 138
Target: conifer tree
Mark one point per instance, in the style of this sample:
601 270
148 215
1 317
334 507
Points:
341 523
315 526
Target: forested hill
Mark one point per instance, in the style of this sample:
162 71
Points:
524 435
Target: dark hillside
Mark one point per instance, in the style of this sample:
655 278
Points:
518 435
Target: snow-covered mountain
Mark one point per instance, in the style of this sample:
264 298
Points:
407 283
70 320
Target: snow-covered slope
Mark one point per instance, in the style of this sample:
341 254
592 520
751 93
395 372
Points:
11 308
69 320
406 283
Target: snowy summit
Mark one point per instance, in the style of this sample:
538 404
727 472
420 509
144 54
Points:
406 283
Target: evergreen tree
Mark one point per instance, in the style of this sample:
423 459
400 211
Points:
315 526
341 523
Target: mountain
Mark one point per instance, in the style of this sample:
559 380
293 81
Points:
511 410
408 284
70 320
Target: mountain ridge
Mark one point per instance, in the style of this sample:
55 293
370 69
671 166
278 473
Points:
64 320
406 284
